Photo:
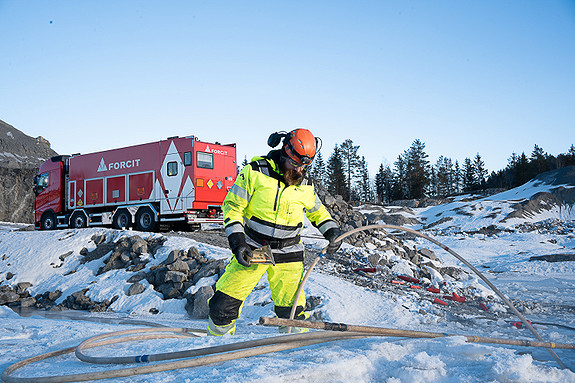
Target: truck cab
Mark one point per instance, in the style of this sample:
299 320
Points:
49 191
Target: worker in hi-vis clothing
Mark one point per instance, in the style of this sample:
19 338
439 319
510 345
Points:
266 208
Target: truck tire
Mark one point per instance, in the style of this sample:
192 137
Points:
48 221
78 220
145 220
122 219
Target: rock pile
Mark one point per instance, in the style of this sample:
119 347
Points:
548 226
380 250
182 270
19 297
173 277
10 295
393 216
127 253
384 249
349 219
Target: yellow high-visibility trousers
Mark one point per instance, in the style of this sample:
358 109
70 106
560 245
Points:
237 283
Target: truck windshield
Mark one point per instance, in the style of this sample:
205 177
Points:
43 182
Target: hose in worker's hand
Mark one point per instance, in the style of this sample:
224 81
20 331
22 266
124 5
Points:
459 257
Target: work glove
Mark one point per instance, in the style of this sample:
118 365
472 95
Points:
240 248
331 235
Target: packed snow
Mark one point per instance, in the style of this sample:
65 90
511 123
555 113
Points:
546 291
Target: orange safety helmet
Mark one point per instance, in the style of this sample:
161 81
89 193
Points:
300 146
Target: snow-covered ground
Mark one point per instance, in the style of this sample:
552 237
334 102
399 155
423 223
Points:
546 290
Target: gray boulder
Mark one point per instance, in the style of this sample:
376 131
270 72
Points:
136 288
200 306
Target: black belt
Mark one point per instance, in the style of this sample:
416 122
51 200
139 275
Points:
280 244
274 243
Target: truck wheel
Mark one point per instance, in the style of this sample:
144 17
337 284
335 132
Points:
145 220
48 221
122 219
78 220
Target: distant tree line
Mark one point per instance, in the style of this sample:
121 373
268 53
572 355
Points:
413 176
521 168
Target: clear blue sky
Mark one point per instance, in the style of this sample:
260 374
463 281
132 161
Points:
465 77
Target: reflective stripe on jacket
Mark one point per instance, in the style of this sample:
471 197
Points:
268 211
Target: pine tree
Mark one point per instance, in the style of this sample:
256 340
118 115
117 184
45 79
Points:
433 189
399 188
521 170
444 177
336 184
538 161
317 169
350 160
570 156
383 184
364 183
480 172
351 164
468 174
457 178
379 187
417 170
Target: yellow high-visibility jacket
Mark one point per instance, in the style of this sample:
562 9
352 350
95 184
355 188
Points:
262 206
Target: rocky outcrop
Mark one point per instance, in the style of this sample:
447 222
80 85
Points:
561 197
20 157
19 151
16 195
554 258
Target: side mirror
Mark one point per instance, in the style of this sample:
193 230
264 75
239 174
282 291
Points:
35 186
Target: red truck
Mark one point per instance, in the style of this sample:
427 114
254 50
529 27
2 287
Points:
173 181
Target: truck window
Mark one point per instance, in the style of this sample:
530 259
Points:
187 158
204 160
172 169
43 182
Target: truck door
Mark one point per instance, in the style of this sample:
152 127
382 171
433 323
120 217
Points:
230 170
172 175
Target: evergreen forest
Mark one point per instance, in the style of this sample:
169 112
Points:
413 176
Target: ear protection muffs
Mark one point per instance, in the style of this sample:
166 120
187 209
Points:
275 138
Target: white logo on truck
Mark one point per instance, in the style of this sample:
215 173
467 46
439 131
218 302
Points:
118 165
216 151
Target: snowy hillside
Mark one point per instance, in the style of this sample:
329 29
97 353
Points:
41 262
550 196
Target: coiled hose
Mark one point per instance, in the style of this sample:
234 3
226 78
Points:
201 357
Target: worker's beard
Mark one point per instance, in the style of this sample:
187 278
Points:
293 177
